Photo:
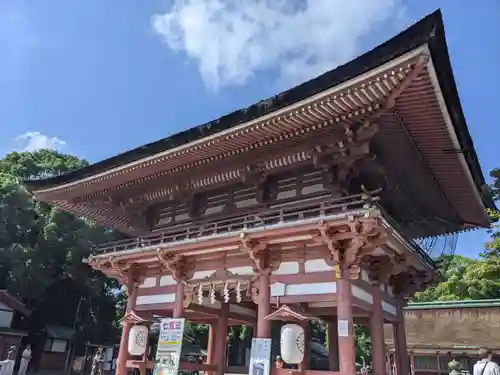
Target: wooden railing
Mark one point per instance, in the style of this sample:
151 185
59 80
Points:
277 214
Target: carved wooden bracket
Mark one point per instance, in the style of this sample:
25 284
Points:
255 251
407 283
330 241
428 278
132 209
347 252
122 269
399 262
254 293
257 176
188 295
338 161
381 268
175 264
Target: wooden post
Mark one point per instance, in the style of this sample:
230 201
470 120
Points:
221 339
304 365
179 301
347 354
121 362
377 332
212 327
402 357
264 308
333 345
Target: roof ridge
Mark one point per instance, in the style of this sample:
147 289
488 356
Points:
455 303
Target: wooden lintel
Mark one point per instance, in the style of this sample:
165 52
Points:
214 312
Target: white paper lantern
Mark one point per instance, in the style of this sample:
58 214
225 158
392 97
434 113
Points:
292 343
137 340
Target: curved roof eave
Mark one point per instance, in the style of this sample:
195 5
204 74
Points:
428 31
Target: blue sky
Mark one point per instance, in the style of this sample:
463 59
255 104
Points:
94 78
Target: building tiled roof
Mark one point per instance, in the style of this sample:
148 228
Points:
12 302
428 31
451 326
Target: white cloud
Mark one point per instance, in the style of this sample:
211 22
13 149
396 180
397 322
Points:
32 141
232 39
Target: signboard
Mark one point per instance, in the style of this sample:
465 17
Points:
168 352
343 328
260 357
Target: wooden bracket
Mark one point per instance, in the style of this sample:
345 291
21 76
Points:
331 243
121 269
255 251
174 263
364 236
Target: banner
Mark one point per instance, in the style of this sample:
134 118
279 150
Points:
168 352
260 357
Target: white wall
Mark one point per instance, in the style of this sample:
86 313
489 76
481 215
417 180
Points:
58 346
6 315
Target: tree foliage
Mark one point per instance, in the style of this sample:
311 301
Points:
464 279
492 247
42 247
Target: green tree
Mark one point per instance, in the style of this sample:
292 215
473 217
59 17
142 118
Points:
492 247
42 247
464 279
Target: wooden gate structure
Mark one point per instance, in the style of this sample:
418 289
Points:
313 199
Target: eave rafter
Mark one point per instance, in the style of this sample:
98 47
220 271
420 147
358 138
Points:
365 100
353 101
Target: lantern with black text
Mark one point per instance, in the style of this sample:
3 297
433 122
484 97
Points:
137 340
292 343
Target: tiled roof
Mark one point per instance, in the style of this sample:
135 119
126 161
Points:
453 325
14 303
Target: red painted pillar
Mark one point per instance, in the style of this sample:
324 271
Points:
304 365
347 353
264 308
402 358
179 301
121 365
377 333
212 327
221 339
333 345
